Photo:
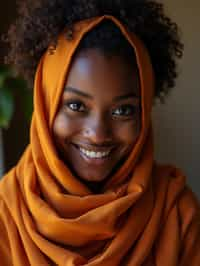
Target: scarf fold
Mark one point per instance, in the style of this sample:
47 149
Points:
51 218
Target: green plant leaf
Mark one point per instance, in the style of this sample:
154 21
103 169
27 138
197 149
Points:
6 107
10 86
27 101
17 83
5 73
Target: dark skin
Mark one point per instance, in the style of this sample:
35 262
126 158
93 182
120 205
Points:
99 111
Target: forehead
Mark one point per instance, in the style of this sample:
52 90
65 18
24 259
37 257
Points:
92 71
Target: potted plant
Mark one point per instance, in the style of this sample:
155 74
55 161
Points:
9 83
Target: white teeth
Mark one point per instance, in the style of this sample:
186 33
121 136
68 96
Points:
93 154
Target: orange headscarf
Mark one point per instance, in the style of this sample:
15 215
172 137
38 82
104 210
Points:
144 215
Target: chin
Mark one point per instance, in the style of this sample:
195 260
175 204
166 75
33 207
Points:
91 176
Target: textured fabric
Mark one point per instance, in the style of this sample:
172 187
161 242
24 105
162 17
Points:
144 215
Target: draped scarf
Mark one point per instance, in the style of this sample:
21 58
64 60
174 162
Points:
49 217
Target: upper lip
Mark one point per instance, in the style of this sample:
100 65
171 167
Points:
95 148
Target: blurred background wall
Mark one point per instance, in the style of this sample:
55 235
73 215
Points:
176 124
16 137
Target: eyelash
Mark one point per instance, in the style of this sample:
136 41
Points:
132 108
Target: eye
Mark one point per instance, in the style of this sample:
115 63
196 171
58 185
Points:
75 106
125 110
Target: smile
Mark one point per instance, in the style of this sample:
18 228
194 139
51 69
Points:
94 154
96 157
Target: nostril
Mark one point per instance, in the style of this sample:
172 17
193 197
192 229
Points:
99 134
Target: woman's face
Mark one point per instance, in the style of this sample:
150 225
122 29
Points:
98 119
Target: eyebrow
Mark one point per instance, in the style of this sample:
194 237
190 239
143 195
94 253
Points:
117 98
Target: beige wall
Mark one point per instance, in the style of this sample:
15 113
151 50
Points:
177 124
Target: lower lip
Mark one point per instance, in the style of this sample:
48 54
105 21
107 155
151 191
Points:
94 161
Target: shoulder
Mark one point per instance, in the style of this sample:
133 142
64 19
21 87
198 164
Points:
189 211
180 196
5 251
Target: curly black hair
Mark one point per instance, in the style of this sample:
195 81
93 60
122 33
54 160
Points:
40 22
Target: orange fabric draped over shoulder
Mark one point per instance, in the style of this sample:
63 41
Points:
144 215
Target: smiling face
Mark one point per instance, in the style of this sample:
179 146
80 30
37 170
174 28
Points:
98 120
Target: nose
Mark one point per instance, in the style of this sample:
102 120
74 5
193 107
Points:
98 131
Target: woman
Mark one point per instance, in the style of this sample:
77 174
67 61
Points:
87 190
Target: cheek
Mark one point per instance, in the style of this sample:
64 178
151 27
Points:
64 127
129 132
